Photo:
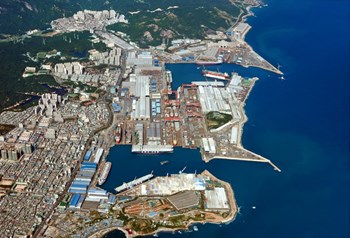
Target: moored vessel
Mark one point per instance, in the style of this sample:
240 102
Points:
215 75
211 62
118 134
104 174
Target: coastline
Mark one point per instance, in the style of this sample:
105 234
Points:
239 138
231 216
242 19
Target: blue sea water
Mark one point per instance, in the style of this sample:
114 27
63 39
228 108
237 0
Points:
301 124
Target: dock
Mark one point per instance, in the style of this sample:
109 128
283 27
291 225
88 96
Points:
133 183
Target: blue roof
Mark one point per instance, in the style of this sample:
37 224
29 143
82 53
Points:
89 166
87 155
78 186
116 107
88 163
74 200
77 191
81 182
112 199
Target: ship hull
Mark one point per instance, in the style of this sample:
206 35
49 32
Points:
208 62
215 75
104 174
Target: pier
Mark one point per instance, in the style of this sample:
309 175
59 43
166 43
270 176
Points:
133 183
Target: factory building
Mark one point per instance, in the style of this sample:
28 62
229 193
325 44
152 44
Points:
96 195
143 59
153 131
209 145
98 155
76 201
213 99
141 105
216 200
234 135
240 30
183 200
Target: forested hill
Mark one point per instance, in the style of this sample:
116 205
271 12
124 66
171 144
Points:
18 16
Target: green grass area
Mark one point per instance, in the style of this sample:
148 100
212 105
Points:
143 225
216 119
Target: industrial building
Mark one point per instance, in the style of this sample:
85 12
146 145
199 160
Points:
76 201
141 104
186 199
234 135
216 200
153 132
239 31
170 185
96 195
213 99
142 59
98 155
209 145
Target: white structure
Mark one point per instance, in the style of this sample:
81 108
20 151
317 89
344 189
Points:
69 68
240 30
111 57
143 59
209 145
213 99
141 106
234 135
216 200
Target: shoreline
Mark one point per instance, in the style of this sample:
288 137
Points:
239 138
242 19
231 217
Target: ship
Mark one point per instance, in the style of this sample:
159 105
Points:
215 75
118 134
105 171
210 62
164 162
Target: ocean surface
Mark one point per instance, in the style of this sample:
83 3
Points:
301 124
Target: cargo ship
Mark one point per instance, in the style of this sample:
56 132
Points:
203 62
105 171
215 75
118 134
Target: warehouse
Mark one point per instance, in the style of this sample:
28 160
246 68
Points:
184 199
234 135
216 200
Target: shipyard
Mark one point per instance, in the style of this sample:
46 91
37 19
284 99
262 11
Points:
65 139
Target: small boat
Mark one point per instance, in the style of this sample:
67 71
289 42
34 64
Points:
195 228
164 162
253 207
